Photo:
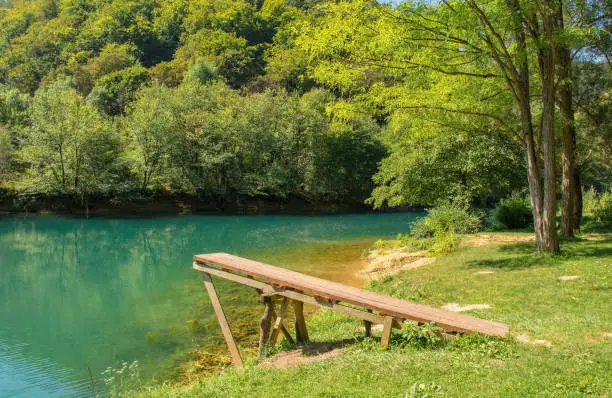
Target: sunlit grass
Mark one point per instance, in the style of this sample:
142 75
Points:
525 292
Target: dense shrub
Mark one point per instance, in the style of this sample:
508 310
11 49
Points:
597 206
446 219
413 335
514 212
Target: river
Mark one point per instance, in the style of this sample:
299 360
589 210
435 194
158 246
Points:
79 295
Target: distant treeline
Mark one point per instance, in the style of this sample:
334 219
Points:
123 97
263 99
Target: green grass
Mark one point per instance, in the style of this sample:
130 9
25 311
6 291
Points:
525 292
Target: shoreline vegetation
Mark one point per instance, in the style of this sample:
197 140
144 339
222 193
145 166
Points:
181 204
552 350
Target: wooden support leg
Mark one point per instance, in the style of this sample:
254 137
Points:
368 326
264 325
301 333
227 333
386 335
278 324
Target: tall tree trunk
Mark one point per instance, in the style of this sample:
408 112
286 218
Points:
533 169
546 60
570 188
534 179
524 102
578 202
549 205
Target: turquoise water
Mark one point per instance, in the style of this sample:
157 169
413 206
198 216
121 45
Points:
78 295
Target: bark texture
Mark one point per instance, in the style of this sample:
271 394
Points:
571 190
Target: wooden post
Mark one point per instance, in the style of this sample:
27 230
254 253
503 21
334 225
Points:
368 326
301 333
278 324
227 333
264 325
386 335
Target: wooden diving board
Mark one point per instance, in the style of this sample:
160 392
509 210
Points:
271 281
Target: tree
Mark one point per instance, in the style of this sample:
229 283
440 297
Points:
6 154
13 107
69 148
152 126
592 95
497 42
114 91
428 167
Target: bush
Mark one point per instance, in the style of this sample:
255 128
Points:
445 243
589 202
413 335
597 206
446 219
514 212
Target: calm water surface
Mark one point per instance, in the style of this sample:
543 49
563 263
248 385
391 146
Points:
77 295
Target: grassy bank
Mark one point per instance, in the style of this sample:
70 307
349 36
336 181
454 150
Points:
561 331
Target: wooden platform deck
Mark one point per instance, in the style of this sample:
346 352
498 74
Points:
297 288
385 305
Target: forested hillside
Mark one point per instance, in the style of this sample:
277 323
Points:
119 97
347 101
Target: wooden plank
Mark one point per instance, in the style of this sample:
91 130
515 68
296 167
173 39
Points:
301 332
268 290
233 277
368 316
386 305
386 335
227 332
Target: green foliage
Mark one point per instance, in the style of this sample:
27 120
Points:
392 112
407 241
492 347
438 232
69 147
422 390
205 138
6 154
449 218
411 334
592 91
514 212
597 206
203 71
114 91
13 106
123 379
428 168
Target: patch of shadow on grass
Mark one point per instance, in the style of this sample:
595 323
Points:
305 354
318 348
524 255
508 262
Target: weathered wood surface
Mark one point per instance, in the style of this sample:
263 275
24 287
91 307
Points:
386 334
367 325
227 332
278 324
301 331
268 290
264 326
337 292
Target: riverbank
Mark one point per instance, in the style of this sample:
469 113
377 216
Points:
560 344
166 203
